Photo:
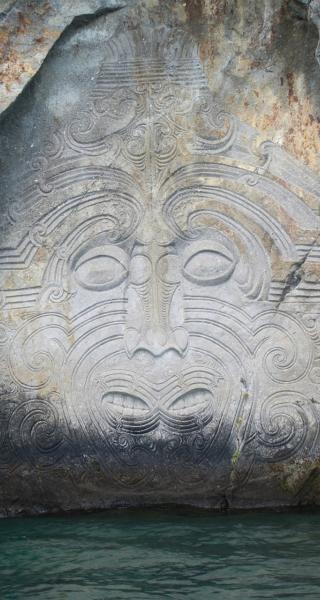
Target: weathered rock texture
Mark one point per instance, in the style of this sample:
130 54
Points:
160 263
28 29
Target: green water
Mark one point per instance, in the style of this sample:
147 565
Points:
156 554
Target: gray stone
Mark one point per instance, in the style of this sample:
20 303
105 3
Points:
29 29
314 16
159 277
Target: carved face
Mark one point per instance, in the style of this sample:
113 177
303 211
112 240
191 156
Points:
157 242
146 361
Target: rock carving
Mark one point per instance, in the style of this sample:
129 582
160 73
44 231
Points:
151 345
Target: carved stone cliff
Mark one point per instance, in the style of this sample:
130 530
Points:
160 263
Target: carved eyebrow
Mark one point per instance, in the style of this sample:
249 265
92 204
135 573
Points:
240 202
194 175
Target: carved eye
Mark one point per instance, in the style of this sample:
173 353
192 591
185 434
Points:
101 268
208 263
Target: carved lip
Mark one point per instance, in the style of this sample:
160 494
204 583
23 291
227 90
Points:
187 412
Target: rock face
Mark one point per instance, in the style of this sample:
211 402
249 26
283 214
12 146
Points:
28 30
159 275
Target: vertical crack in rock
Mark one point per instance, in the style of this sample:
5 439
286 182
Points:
294 276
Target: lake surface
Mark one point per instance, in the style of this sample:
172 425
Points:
154 555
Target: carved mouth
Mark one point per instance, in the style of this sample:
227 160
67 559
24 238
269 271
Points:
187 412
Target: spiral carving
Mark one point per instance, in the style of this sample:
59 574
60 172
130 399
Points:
36 351
37 234
36 432
283 359
53 146
55 293
287 424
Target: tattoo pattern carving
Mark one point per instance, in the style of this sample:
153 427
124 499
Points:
159 337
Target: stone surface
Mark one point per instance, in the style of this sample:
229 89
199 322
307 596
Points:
28 30
314 16
159 264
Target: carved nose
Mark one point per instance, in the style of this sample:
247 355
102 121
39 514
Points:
156 341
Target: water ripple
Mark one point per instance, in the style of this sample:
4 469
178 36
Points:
157 555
